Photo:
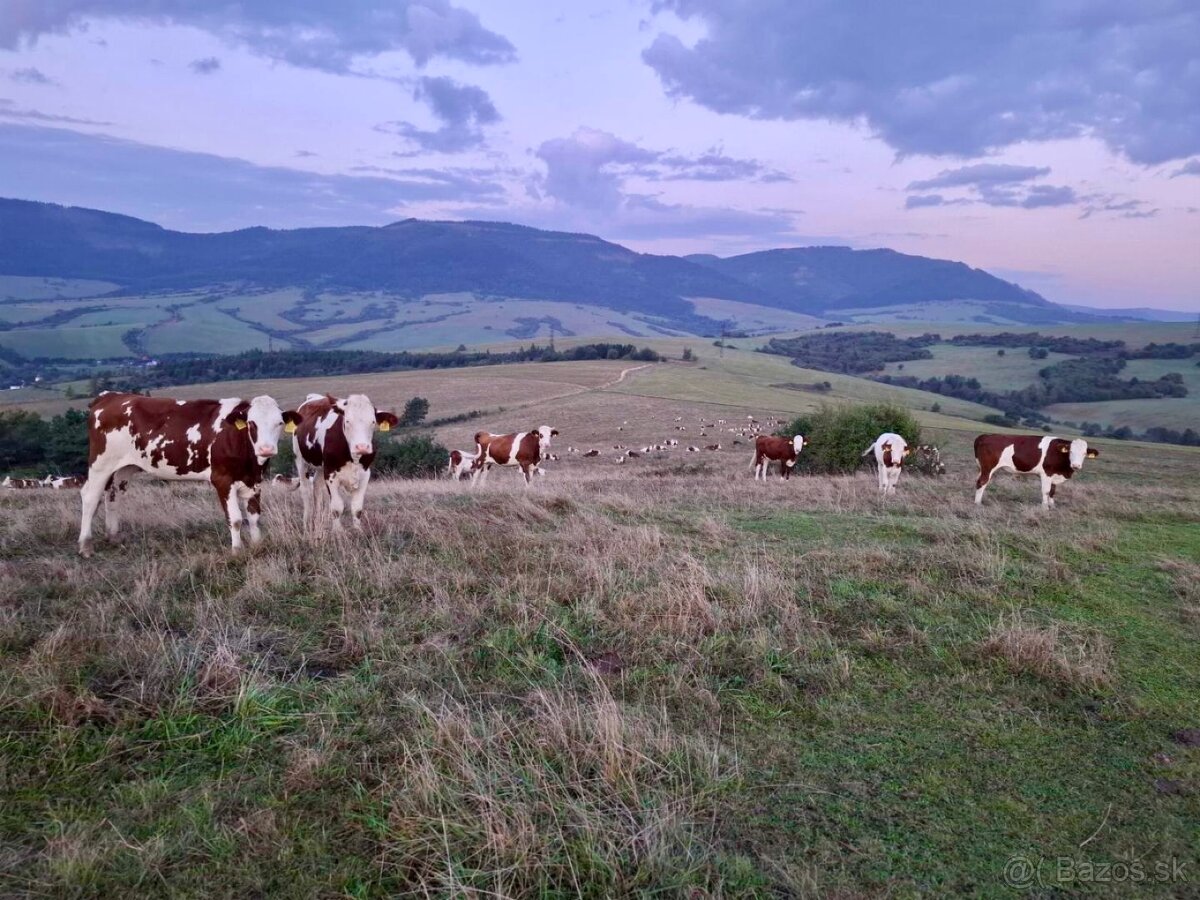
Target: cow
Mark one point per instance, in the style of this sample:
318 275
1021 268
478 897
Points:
460 464
590 453
1053 459
227 443
890 450
337 436
522 448
59 482
782 449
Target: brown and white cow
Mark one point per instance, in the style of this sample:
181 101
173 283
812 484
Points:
1053 459
768 448
337 437
890 450
460 464
227 443
523 449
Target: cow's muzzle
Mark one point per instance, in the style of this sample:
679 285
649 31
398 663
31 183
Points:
265 451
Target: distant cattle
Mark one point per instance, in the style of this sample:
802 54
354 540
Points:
62 482
336 437
20 484
1052 459
522 449
779 449
591 453
890 450
716 446
227 443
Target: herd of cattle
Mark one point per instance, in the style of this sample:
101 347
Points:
229 443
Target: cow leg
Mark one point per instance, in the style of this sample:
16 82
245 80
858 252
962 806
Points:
981 484
90 495
112 519
893 479
306 482
100 479
227 496
253 511
336 504
882 477
358 498
1047 493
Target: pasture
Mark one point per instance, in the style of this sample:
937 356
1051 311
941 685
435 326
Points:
658 677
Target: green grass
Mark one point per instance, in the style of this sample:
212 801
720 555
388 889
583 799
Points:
1012 371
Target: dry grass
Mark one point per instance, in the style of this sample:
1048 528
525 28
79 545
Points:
1051 651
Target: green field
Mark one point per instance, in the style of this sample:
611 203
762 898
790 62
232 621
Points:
654 679
1012 371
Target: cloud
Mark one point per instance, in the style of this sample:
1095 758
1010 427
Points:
981 173
9 110
916 201
1191 167
203 192
1123 207
30 75
205 66
463 110
584 188
310 34
928 82
1041 195
991 184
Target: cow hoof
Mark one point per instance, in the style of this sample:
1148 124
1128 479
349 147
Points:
86 550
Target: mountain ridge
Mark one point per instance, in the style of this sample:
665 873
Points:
490 260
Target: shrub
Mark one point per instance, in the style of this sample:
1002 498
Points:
999 420
839 435
414 456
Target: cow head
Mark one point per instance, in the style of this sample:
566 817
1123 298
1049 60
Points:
263 422
798 444
1092 453
544 435
1078 451
359 421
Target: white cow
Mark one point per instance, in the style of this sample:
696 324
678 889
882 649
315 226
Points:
890 450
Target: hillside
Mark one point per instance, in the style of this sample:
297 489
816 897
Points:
838 280
683 684
82 283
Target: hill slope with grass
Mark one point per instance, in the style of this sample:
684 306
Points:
683 683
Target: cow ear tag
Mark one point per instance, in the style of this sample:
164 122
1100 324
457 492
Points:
240 424
289 427
1064 449
385 426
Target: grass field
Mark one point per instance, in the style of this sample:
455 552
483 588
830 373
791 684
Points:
1012 371
1175 412
653 679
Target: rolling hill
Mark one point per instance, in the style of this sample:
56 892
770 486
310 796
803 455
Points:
83 283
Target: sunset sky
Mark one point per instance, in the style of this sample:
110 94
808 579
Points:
1053 143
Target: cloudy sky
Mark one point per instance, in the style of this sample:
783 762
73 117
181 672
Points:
1054 142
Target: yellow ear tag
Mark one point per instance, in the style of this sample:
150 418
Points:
289 427
240 424
385 426
1064 449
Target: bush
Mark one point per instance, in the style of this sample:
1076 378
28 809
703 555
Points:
1000 421
415 456
839 435
30 445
